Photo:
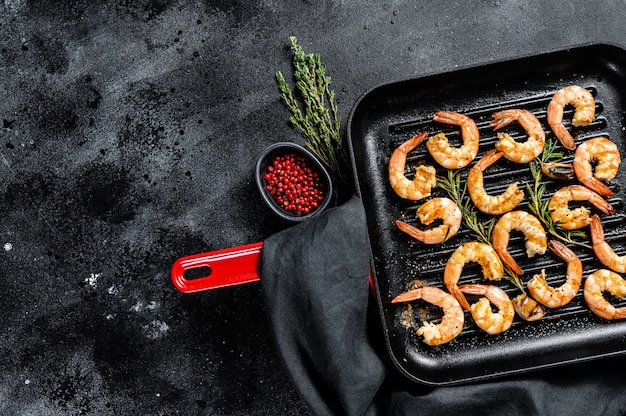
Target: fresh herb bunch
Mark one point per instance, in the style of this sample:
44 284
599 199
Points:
316 115
539 206
482 229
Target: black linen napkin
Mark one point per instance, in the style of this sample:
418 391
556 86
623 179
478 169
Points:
315 286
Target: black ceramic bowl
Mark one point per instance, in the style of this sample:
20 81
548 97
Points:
280 149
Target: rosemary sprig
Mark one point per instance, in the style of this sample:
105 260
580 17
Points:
482 229
550 153
316 114
452 186
539 206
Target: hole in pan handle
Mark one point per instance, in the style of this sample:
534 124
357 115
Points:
228 267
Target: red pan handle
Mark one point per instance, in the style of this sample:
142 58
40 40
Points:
228 267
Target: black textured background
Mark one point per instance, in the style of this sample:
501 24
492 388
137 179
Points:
129 135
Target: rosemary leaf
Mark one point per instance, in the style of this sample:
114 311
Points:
539 206
549 153
452 186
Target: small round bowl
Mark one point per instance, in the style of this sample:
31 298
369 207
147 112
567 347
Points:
266 159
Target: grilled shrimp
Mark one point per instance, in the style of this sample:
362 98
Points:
572 219
585 111
603 152
496 204
603 250
437 208
559 171
472 251
555 297
453 318
605 281
514 151
490 322
528 308
529 225
425 176
451 157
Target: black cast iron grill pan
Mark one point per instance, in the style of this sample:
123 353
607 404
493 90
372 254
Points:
389 114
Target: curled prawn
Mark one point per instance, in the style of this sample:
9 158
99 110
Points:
453 318
607 158
452 157
491 204
572 219
425 176
490 322
534 234
515 151
476 252
555 297
584 113
602 281
603 250
437 208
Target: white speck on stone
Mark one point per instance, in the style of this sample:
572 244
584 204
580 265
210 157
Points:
112 290
137 307
92 281
140 306
156 329
27 381
8 246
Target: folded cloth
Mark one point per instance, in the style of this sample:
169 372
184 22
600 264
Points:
593 388
315 286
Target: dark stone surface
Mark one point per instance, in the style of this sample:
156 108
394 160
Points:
128 139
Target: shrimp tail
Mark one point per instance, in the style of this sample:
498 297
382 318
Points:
561 249
473 289
598 186
446 117
605 207
408 296
564 136
507 259
596 230
460 297
488 159
411 230
413 142
620 314
501 119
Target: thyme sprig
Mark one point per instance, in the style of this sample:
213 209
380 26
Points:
482 230
315 113
539 206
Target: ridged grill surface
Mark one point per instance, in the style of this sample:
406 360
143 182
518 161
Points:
497 178
390 114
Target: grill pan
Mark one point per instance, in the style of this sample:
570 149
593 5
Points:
389 114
